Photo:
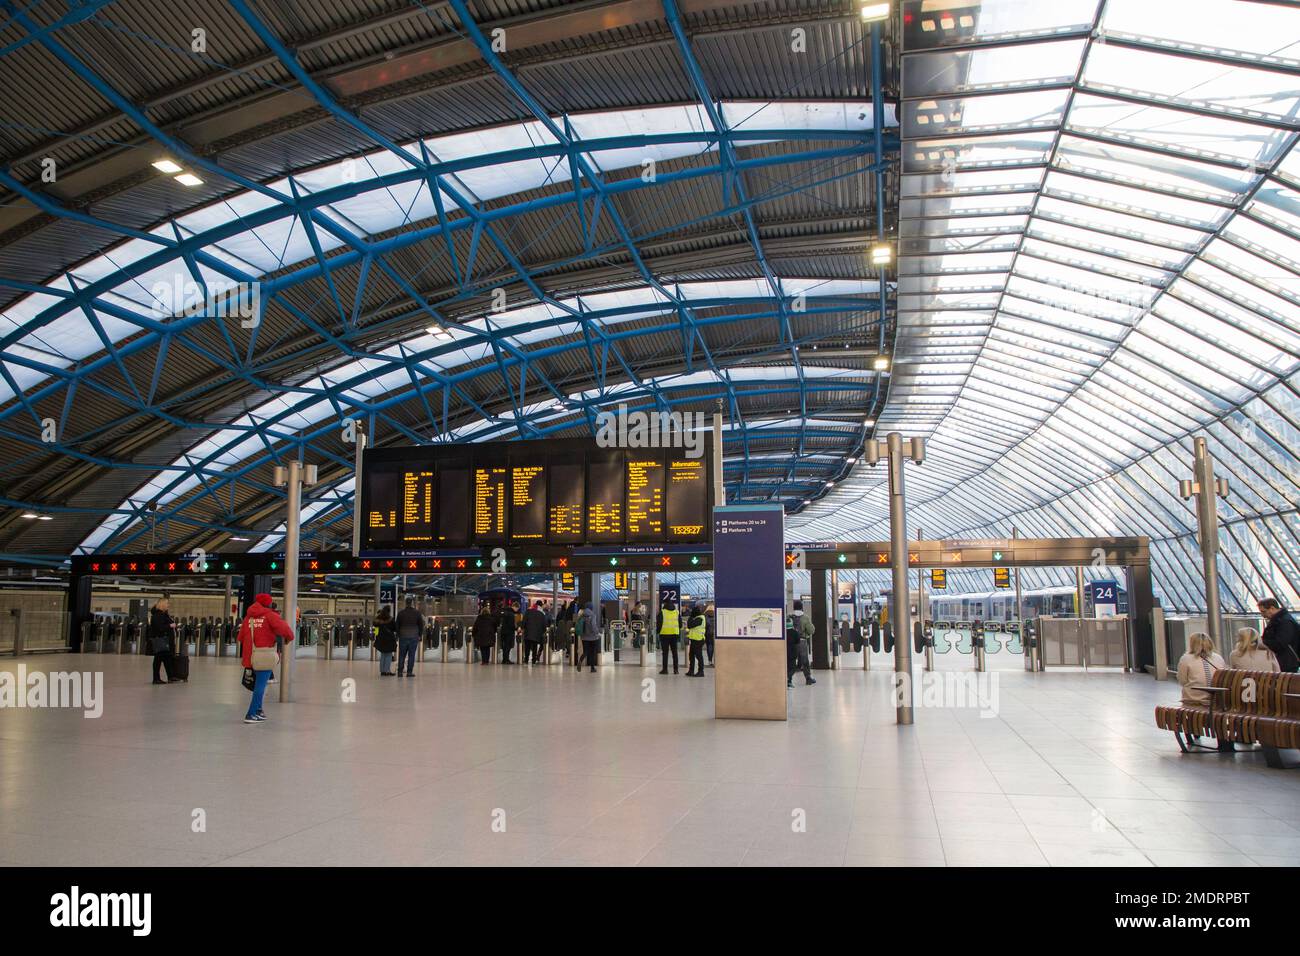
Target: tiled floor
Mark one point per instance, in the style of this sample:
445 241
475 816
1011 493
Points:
547 766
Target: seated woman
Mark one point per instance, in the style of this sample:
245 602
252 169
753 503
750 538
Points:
1196 669
1250 654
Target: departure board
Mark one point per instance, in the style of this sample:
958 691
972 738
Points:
561 492
565 497
645 497
527 502
605 500
687 499
490 490
453 505
417 505
381 511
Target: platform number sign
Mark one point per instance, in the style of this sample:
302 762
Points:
938 579
1002 577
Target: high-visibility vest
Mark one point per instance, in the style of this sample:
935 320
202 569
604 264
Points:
695 632
670 624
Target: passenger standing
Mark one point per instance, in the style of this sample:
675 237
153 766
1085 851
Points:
695 630
162 636
410 629
804 625
1250 654
484 633
1281 635
257 640
668 627
508 625
584 626
534 633
385 640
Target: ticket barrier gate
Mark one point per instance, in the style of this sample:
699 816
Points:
618 639
112 637
1084 642
923 641
559 639
228 638
977 645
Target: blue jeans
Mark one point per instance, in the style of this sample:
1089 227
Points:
259 691
406 654
385 662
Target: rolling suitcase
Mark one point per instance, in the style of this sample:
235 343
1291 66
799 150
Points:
178 667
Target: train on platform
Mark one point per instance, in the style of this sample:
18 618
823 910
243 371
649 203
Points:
1001 605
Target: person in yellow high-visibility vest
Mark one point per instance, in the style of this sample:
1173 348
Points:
668 626
696 628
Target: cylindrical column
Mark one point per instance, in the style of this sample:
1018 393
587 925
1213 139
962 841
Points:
652 615
902 616
1207 520
291 530
834 626
359 446
1078 590
719 490
920 608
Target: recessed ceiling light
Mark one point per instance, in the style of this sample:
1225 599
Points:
880 363
236 537
31 515
189 179
45 518
874 11
167 166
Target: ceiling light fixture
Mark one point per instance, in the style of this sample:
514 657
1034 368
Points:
167 166
881 255
189 179
874 12
880 363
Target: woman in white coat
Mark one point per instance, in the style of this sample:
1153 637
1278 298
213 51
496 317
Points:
1250 654
1196 669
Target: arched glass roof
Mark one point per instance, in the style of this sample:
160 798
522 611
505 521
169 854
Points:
1099 262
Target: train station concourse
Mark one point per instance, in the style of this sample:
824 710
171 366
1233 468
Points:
693 434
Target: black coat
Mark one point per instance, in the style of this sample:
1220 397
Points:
385 636
507 626
160 627
534 625
1282 637
485 630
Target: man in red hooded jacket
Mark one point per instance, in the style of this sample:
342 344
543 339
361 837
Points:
260 629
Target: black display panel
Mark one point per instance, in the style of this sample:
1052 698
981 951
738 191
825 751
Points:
453 504
566 501
527 498
645 497
381 509
687 498
562 492
605 494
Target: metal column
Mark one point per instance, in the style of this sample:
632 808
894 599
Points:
821 649
356 494
291 534
902 616
920 613
1207 520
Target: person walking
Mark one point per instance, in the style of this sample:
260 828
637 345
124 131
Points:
484 632
535 624
385 640
584 628
696 627
508 626
804 626
1281 634
410 629
161 639
257 641
668 627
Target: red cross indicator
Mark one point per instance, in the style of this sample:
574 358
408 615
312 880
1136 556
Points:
437 563
411 564
365 565
789 560
913 557
882 558
564 562
460 563
665 561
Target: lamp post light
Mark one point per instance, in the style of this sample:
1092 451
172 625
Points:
1205 487
893 449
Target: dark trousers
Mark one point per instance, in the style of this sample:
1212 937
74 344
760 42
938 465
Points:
794 660
160 661
708 646
406 654
505 652
532 652
589 649
695 656
667 645
485 654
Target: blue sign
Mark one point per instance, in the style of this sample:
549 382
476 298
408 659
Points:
387 594
749 571
670 592
1103 592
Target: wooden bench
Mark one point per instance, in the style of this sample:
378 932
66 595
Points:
1245 707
